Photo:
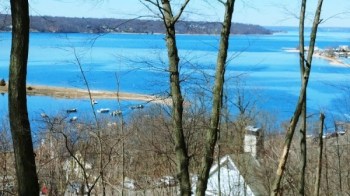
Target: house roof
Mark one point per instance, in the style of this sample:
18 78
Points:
249 169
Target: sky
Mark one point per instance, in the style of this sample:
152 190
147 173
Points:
262 12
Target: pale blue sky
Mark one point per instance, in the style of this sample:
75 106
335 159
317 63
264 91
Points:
262 12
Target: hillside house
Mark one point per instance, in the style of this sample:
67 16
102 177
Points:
238 174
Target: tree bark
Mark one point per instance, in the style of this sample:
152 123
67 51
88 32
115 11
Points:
177 99
319 165
212 132
304 108
19 123
303 148
305 70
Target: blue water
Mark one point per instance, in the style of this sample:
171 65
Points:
136 63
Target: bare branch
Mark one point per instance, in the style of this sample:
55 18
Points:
78 62
333 16
176 18
151 10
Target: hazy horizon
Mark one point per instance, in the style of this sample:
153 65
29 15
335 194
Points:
265 13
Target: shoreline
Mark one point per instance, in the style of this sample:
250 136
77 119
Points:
332 60
77 93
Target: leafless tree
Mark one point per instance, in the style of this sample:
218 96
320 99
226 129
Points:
319 165
212 132
19 122
169 20
305 64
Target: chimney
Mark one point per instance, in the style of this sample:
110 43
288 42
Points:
253 141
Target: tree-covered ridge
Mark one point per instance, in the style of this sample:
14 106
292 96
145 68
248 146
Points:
94 25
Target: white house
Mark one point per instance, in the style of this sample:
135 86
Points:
239 174
231 182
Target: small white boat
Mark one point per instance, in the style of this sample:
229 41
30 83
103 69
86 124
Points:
116 113
94 102
103 110
73 119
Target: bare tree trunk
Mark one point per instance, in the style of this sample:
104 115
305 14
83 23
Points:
219 168
175 88
338 161
121 125
20 128
305 69
98 135
303 149
212 132
103 183
303 110
327 169
177 103
86 83
319 165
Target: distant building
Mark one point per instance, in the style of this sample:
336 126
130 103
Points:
343 48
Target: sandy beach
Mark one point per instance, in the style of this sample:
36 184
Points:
76 93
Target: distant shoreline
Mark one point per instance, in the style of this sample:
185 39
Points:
76 93
57 24
332 60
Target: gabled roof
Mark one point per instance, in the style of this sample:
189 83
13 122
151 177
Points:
250 170
248 167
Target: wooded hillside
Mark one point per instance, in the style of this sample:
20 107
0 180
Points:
94 25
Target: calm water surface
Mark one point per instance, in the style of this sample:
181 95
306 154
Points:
136 63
